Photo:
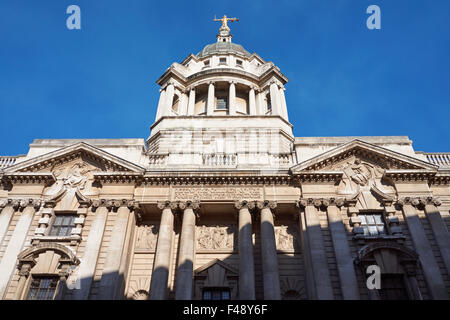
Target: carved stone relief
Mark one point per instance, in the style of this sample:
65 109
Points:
361 180
217 193
215 237
286 237
146 237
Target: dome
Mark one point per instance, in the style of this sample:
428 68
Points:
223 48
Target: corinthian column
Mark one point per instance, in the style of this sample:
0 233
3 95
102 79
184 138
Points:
186 252
191 102
246 263
274 99
160 275
210 101
232 99
252 101
170 92
271 276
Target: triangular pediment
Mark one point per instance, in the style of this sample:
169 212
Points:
88 153
214 264
333 160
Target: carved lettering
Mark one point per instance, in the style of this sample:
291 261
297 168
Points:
217 193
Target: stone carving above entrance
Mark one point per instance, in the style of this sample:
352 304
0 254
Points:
215 237
286 238
146 237
217 193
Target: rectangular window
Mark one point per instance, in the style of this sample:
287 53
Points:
42 288
393 287
63 225
222 103
372 224
206 63
239 63
216 294
223 60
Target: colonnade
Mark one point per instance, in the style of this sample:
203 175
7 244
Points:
186 254
256 98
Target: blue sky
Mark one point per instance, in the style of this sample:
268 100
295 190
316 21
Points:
345 80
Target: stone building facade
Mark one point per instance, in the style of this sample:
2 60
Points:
223 202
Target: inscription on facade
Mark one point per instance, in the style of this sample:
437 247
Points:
218 193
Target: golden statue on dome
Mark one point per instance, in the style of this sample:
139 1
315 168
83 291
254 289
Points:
225 20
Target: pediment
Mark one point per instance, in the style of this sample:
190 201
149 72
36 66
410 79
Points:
216 264
337 159
103 160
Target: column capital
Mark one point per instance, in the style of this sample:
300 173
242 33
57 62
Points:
167 205
240 204
194 205
232 82
266 205
112 204
211 82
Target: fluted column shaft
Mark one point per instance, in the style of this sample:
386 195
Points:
186 252
246 261
274 100
161 105
252 102
232 99
210 102
191 103
269 256
160 275
170 92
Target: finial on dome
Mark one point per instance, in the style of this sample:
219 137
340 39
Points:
224 31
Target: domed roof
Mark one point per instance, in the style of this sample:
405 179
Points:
223 48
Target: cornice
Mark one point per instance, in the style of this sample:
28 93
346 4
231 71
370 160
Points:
321 176
111 177
29 177
409 175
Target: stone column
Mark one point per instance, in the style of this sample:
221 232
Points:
170 92
316 250
183 104
161 104
439 228
252 101
260 103
232 99
88 263
186 253
430 267
15 244
111 280
344 259
284 111
6 213
269 255
191 103
161 267
246 262
274 100
210 102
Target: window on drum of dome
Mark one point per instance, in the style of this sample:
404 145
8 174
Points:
63 224
206 63
222 60
239 63
222 103
42 288
216 294
372 223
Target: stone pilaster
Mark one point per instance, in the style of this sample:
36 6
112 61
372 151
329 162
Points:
246 260
112 279
6 213
316 250
430 267
344 260
160 275
26 208
269 255
186 253
89 260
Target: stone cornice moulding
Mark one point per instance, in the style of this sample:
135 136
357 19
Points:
77 150
409 175
323 176
124 177
419 202
217 180
394 160
29 177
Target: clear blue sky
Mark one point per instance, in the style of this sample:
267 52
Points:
99 82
